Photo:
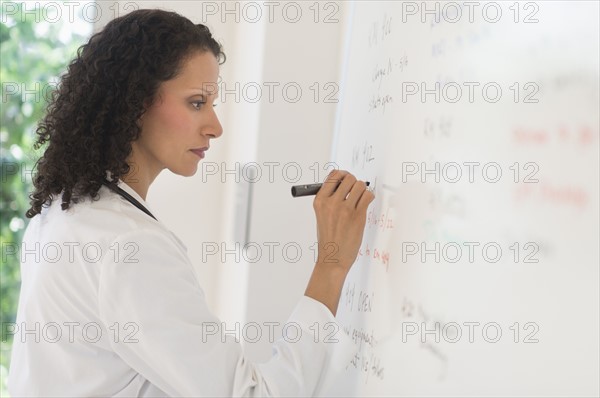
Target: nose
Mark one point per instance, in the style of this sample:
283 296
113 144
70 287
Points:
213 127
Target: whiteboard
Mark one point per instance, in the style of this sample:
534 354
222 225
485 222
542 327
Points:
478 273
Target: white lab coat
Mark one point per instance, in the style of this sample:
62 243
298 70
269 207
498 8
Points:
110 305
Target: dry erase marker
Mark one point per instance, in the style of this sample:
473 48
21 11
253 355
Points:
307 190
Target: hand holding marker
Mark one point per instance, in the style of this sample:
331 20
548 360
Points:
310 189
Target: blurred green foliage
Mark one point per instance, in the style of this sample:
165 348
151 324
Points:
33 54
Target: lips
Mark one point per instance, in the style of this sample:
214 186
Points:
200 152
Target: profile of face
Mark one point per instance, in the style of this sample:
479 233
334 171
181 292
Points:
177 128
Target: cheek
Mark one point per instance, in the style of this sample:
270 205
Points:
174 120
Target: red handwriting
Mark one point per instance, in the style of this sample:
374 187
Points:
583 135
381 221
560 195
378 255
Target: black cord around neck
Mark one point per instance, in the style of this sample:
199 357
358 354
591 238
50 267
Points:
113 187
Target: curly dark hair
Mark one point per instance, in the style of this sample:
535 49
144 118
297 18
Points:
91 118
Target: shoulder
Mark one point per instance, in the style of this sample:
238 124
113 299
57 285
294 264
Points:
105 219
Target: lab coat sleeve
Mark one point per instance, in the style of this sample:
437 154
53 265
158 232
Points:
179 345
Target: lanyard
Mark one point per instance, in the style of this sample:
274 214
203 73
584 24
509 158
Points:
127 197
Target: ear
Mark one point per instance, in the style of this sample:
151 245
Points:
140 121
149 102
147 105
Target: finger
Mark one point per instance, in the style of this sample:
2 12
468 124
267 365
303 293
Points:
355 193
344 189
331 182
365 200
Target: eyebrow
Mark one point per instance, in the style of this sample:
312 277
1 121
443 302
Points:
205 91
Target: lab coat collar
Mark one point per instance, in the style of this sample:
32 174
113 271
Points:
121 184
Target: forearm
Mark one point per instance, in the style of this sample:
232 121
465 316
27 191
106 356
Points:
340 207
325 285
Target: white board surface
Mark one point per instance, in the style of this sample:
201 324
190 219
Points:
479 269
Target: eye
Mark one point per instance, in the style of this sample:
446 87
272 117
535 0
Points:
198 104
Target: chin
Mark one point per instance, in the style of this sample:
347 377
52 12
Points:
185 172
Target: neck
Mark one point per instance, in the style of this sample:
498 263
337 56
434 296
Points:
140 184
141 173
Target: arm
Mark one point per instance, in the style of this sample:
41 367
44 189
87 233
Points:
177 348
180 346
341 218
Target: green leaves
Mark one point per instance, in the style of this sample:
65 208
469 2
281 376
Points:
33 55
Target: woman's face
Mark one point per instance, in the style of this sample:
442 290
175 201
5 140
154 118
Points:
177 128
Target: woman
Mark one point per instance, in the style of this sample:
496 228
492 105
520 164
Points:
124 314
